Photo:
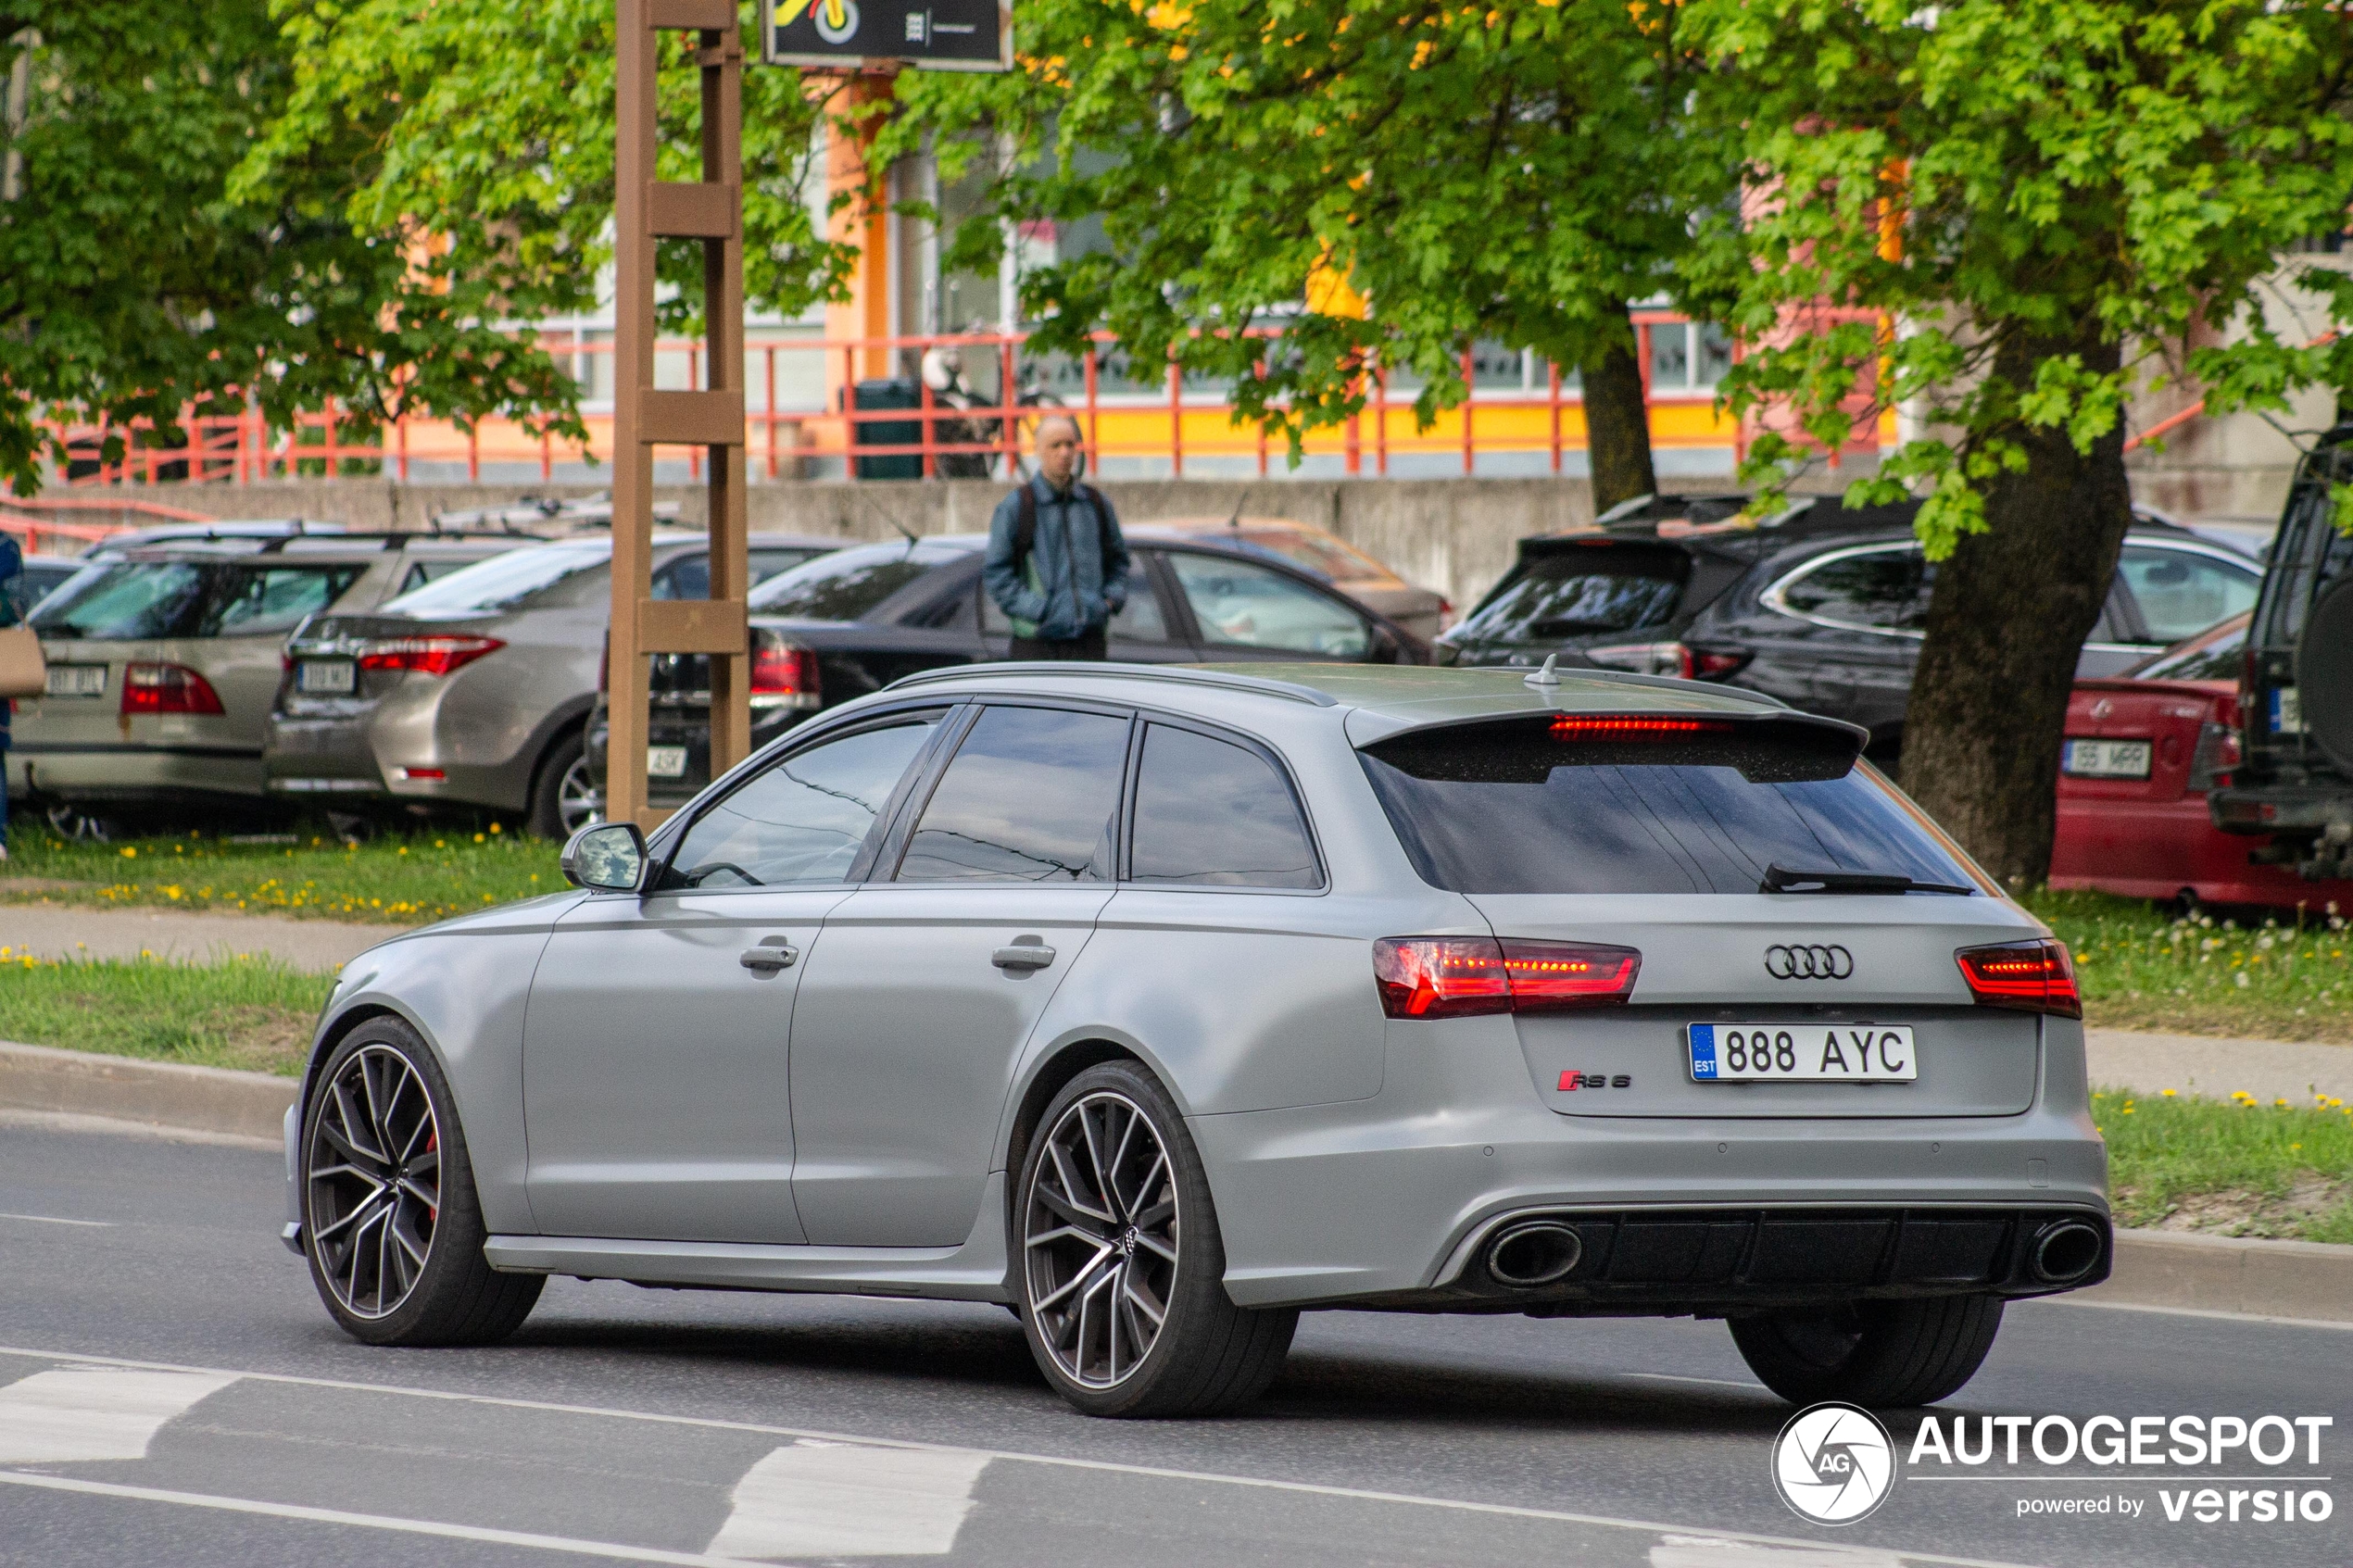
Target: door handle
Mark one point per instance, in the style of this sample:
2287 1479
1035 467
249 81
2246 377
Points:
1025 955
772 955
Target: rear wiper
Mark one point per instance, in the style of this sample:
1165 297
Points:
1782 879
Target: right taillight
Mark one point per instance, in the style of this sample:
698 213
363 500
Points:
783 674
1464 977
433 654
2218 753
2031 976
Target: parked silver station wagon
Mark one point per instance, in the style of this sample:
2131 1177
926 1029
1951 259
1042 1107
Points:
1160 1003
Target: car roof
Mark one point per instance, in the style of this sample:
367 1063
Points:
1382 699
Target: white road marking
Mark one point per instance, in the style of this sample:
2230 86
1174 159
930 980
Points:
85 1412
712 1424
1711 1552
843 1499
365 1520
53 1220
2182 1311
1710 1381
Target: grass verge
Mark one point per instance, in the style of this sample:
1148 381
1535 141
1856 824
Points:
250 1014
2237 1167
408 880
2141 968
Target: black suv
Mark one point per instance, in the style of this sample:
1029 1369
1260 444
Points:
2295 779
1821 607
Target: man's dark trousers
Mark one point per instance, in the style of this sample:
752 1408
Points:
1089 643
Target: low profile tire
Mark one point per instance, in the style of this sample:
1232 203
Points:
390 1221
564 796
1120 1265
1882 1355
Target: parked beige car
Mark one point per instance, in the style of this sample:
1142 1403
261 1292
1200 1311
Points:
163 663
1323 553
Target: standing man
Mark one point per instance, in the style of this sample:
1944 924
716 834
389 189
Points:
1056 564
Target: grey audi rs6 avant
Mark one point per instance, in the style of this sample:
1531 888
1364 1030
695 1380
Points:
1159 1004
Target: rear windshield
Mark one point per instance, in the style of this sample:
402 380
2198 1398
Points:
1541 806
848 584
141 601
1602 588
501 581
1321 554
2212 656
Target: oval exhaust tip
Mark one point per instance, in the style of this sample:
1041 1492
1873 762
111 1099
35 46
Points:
2066 1252
1539 1252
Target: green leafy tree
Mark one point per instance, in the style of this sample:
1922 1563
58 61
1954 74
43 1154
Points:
2051 201
134 282
1517 174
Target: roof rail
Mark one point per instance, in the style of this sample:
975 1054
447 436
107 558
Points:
1259 686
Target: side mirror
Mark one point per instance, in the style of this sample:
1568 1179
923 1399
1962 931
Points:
605 858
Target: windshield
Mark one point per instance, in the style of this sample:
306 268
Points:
848 584
2214 655
501 581
1556 806
1596 589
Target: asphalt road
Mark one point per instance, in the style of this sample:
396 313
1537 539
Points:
170 1391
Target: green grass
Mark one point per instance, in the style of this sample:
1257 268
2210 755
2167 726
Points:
398 880
252 1013
2238 1167
2141 968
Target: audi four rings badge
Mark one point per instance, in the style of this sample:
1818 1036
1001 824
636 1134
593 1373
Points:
1815 961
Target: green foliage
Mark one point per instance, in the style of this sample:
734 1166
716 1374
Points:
135 279
2238 1166
2008 178
1517 174
253 1013
478 140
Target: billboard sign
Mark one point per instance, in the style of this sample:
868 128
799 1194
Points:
927 34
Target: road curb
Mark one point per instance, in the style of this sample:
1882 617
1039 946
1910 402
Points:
2207 1273
163 1094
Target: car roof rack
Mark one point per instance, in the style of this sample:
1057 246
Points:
1259 686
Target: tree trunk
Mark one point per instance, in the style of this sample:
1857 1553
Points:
1618 428
2006 625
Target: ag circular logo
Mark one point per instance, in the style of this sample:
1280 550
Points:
1834 1463
1815 961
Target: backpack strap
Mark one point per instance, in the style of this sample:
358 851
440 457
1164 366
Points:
1025 526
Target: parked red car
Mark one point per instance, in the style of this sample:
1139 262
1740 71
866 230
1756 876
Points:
2143 747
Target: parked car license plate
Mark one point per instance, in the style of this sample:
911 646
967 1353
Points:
326 677
77 680
2105 759
666 761
1802 1053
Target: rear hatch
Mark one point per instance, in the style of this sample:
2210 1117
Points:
1657 836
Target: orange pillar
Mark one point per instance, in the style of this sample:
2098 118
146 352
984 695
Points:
864 222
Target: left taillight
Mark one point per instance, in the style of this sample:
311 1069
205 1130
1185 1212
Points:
1465 977
783 674
167 688
1668 658
431 655
2029 977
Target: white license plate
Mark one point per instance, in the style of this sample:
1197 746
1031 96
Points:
2105 759
326 677
77 680
666 761
1802 1053
2288 711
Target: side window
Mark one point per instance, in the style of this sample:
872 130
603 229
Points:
1213 814
2179 593
273 599
1885 590
1239 605
802 819
1028 799
689 577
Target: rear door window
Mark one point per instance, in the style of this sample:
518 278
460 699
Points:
1030 797
253 601
2180 593
805 819
1576 592
1551 806
1238 605
1883 590
1210 813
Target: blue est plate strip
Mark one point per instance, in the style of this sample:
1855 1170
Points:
1703 1036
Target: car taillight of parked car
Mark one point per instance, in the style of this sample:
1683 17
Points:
2031 976
167 688
434 655
1667 658
1464 977
2217 755
783 674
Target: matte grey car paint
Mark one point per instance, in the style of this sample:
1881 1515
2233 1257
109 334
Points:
1351 1156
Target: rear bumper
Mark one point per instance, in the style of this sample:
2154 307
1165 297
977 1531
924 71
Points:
310 756
131 773
2297 809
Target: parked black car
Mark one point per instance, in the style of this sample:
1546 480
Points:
856 620
1821 607
2295 777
